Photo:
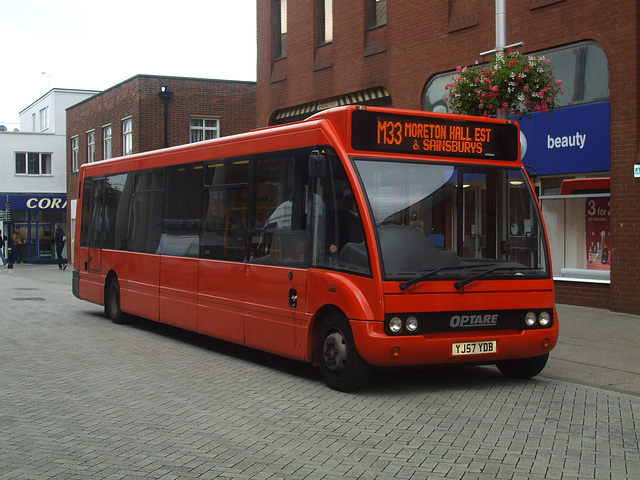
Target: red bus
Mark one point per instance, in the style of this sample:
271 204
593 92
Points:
361 237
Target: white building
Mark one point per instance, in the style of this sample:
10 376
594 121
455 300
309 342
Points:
33 173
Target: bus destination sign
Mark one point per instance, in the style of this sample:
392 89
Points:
434 136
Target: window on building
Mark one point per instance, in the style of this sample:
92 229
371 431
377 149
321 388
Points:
106 142
377 13
75 154
33 163
44 119
582 67
325 21
91 147
204 129
280 29
127 136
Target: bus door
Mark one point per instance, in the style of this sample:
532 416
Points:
280 248
95 223
223 244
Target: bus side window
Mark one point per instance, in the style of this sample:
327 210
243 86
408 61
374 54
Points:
118 203
280 234
145 222
182 222
226 200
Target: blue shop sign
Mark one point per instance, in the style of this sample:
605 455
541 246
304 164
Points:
570 141
38 201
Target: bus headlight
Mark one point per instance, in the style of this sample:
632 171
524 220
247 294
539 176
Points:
412 324
530 319
545 319
395 324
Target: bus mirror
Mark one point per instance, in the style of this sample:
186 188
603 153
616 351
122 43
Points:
317 165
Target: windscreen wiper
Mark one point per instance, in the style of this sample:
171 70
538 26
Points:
460 284
410 283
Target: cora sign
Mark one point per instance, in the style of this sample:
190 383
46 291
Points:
38 202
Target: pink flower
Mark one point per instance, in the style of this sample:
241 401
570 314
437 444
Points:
559 82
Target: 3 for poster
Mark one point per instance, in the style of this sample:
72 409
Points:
597 215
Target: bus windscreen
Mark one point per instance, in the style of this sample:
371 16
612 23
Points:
434 136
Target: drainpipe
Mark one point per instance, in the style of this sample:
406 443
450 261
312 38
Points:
165 94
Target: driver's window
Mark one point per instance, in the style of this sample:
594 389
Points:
340 241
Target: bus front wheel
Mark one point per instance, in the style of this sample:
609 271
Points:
112 302
340 364
524 367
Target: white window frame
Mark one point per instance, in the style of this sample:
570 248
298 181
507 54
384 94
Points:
91 146
35 164
106 142
127 136
280 29
44 118
75 154
325 22
203 128
377 14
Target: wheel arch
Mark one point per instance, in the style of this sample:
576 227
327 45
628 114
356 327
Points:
318 318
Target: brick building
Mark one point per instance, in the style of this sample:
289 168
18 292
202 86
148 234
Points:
313 55
149 112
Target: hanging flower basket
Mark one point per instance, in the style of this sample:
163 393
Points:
513 85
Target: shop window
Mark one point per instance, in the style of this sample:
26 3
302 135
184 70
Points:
578 226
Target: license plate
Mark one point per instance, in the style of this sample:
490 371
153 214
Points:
473 348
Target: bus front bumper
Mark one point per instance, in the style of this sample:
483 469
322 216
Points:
480 347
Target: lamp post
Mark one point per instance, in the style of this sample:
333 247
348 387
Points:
49 78
10 239
166 95
501 39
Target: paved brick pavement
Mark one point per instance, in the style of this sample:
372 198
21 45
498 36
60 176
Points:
83 398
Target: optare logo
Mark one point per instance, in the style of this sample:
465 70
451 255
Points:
473 321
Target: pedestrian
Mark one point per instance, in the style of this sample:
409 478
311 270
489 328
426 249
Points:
3 239
18 241
60 239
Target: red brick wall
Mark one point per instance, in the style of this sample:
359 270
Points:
594 295
232 102
422 39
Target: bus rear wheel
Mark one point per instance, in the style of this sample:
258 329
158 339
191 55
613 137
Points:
341 366
112 303
524 367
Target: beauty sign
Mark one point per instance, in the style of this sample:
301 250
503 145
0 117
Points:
597 215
